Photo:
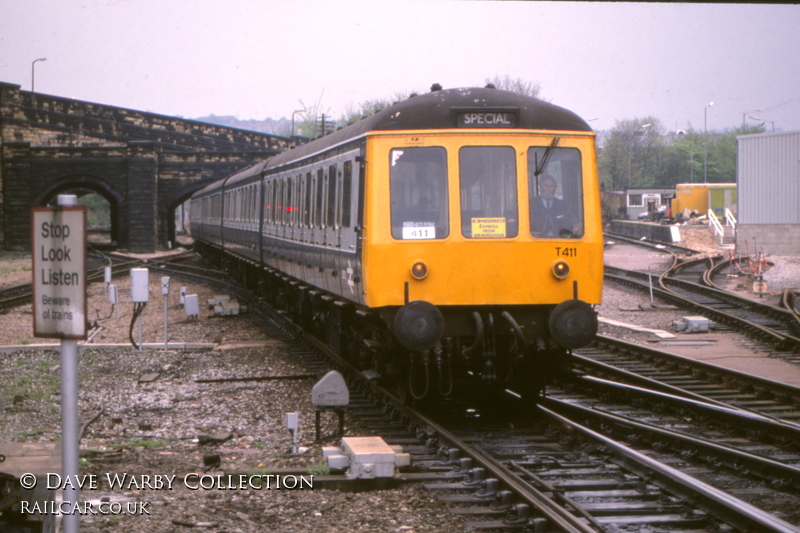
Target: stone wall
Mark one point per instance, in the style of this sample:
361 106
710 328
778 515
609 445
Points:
652 232
772 239
142 163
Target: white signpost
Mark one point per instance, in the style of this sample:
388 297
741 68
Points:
59 310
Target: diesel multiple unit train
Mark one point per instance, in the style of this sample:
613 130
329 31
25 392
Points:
448 242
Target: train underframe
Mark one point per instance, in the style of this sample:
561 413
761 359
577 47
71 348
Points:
480 348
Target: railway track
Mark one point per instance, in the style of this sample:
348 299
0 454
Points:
559 475
773 325
120 265
652 245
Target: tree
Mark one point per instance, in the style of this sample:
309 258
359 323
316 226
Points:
307 123
516 85
722 153
633 154
367 108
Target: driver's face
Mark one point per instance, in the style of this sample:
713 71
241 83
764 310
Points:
548 189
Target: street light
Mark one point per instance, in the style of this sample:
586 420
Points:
32 70
747 113
293 114
765 120
705 134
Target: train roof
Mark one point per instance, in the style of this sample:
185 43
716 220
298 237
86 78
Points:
442 109
438 109
252 170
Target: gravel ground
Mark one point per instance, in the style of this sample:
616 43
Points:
155 427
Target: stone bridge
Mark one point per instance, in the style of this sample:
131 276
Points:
145 165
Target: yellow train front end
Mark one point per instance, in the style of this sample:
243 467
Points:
485 246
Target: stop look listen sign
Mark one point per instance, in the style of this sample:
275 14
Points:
59 272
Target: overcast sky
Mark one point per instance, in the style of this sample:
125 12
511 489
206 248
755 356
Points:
260 58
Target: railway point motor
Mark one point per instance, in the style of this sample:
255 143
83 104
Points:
693 324
330 394
366 457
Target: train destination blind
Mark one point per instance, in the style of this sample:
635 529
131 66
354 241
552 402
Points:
486 119
59 272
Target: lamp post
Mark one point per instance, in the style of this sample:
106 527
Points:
765 120
293 114
747 113
705 134
33 71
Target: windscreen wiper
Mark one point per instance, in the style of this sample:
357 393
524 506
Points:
540 165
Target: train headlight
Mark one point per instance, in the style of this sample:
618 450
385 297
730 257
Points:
560 269
419 270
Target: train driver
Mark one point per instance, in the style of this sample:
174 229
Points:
550 215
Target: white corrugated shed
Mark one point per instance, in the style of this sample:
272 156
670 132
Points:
768 176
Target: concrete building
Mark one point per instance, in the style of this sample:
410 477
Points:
768 177
646 199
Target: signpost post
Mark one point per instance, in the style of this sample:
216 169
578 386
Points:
59 310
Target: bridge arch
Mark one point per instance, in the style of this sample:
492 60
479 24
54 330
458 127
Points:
170 203
117 201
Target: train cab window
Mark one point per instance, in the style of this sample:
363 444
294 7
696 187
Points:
556 192
488 181
418 190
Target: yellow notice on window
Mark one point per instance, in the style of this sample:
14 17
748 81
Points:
488 228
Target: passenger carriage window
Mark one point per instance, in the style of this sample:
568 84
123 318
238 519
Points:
488 181
306 207
331 207
253 202
288 218
270 200
347 183
278 201
298 197
556 192
318 201
418 190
